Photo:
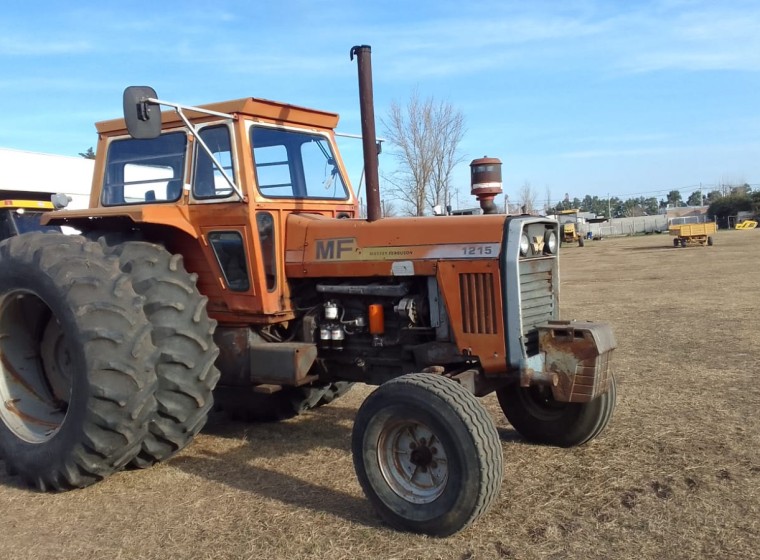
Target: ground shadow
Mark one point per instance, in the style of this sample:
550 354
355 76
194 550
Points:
510 435
9 480
221 425
234 469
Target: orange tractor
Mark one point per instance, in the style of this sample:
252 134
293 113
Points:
223 254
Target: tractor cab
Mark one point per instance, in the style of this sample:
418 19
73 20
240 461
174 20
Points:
225 176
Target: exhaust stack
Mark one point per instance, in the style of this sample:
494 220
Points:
369 138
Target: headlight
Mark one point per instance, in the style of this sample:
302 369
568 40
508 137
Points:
550 242
524 244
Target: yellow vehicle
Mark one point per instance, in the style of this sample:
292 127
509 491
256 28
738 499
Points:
568 220
692 234
747 224
23 216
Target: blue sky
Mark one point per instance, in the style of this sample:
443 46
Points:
578 97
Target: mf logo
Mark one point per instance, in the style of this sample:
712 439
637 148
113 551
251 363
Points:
537 245
334 249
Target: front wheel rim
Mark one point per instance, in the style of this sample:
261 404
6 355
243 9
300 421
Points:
413 461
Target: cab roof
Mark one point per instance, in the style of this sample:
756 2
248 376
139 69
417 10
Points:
249 107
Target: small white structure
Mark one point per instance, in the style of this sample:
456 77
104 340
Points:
33 172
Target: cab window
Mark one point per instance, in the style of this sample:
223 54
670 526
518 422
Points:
295 164
208 181
229 249
145 171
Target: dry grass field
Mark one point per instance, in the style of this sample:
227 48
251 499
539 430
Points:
676 475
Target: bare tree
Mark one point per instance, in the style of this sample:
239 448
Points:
527 198
426 136
387 208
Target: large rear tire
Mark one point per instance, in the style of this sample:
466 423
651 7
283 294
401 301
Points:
183 334
535 414
427 454
77 376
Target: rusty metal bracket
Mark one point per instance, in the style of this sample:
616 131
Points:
573 358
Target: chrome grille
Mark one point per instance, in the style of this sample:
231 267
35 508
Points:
476 291
536 297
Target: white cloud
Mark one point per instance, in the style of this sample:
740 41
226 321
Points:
35 46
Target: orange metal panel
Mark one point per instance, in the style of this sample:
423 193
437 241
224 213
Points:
472 295
265 109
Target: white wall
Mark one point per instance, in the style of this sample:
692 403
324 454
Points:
37 172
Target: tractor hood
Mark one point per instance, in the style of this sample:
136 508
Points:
317 245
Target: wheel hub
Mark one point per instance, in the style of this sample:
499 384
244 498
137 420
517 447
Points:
413 461
35 370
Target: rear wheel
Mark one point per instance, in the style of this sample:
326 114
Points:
77 364
538 417
427 454
710 241
183 334
675 242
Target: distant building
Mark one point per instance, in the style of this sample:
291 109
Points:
23 173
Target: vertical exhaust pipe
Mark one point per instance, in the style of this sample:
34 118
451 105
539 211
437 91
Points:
369 138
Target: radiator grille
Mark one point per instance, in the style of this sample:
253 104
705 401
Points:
476 291
537 299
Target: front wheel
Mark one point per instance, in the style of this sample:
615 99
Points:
538 417
427 454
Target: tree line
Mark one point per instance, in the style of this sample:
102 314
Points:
722 203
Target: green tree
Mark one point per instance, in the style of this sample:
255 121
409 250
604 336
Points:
674 197
730 205
650 205
695 199
89 153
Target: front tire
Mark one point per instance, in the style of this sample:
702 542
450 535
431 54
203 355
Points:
77 378
426 454
183 334
535 414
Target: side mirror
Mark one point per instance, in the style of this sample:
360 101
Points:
143 117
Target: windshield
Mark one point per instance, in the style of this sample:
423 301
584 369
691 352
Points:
295 164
